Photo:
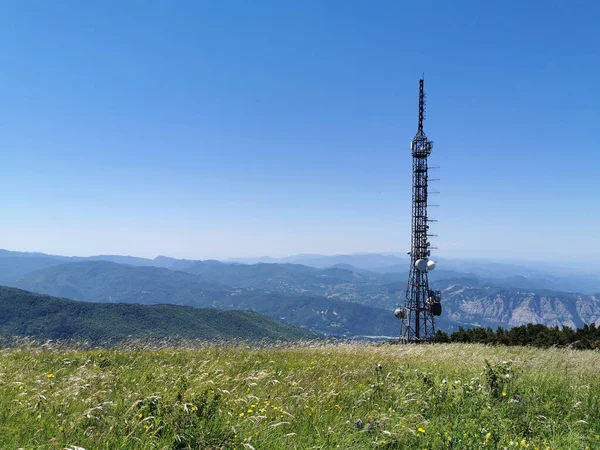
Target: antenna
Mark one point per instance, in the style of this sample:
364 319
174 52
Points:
421 105
421 304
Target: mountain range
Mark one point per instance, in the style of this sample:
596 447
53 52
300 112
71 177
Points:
563 277
340 299
107 282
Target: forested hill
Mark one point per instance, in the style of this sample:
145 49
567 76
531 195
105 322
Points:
39 316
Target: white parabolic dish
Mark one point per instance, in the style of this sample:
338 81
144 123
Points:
421 265
430 265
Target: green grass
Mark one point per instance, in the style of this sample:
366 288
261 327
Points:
312 396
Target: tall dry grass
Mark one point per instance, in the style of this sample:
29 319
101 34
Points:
193 394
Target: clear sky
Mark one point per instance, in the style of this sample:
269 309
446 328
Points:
235 128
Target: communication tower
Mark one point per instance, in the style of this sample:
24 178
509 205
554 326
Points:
421 304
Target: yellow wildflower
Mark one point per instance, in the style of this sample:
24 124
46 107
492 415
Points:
50 375
504 394
421 430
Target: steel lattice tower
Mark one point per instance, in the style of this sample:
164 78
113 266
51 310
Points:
421 304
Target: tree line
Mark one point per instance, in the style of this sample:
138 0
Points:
537 335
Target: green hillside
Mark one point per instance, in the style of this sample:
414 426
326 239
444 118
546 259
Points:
24 313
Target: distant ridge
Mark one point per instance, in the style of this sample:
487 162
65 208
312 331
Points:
370 261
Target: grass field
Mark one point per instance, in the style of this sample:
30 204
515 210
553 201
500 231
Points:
308 396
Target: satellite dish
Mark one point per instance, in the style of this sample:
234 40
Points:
435 308
399 313
421 265
430 265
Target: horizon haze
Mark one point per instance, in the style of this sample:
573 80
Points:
462 264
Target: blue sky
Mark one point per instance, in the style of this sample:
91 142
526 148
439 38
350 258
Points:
219 129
